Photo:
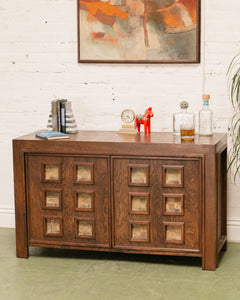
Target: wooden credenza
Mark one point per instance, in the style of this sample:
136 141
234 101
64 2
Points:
122 193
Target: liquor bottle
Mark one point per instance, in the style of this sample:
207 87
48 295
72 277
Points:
184 123
205 117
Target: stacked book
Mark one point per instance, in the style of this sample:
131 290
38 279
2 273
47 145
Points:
51 135
61 118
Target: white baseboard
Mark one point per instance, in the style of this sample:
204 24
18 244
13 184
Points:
233 230
7 219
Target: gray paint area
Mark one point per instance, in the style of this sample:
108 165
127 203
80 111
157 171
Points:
175 46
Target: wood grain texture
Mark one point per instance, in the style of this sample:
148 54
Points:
20 201
156 188
69 187
202 190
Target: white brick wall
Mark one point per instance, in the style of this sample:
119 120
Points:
38 62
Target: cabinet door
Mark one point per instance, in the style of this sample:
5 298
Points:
157 204
68 201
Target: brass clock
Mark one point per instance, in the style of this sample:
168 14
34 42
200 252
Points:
128 117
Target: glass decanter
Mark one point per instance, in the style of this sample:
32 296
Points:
183 117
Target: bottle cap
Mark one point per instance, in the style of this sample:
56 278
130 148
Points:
206 97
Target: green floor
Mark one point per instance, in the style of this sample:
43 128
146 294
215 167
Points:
62 274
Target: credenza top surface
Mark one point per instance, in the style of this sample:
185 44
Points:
139 138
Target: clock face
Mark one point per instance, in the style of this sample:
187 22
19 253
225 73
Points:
128 116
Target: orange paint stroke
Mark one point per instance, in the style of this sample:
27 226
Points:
91 18
169 7
190 5
109 39
106 8
172 20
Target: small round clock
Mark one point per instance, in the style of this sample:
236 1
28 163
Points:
128 116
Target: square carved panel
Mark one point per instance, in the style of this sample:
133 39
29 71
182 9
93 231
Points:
84 173
139 203
51 172
52 199
139 231
85 200
174 232
173 204
53 226
138 174
85 228
173 176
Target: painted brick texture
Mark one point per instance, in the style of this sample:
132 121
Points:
38 62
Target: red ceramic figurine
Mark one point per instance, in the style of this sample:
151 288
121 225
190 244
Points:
144 119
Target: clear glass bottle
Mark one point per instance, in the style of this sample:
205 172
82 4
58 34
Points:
205 117
184 123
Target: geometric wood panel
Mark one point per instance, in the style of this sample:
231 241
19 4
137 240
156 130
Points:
85 201
52 199
51 172
139 231
138 174
139 203
173 204
83 173
52 226
174 232
166 204
85 228
173 176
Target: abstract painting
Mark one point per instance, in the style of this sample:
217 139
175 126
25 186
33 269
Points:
147 31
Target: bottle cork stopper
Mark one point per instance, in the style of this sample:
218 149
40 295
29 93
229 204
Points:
206 97
184 104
